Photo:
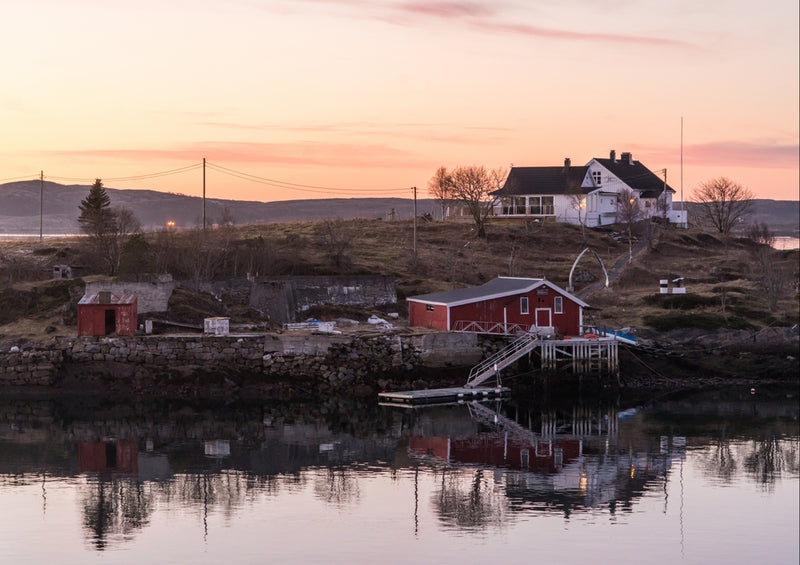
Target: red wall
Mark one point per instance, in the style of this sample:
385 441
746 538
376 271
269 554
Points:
492 311
418 315
92 318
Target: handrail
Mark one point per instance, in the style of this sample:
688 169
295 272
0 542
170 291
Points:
498 358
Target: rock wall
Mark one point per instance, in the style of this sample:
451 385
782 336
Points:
282 298
324 362
150 296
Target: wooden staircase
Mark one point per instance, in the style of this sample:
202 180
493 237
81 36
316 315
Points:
491 366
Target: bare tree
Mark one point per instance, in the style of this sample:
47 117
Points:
472 186
723 203
770 275
337 238
440 187
760 233
628 213
123 224
577 199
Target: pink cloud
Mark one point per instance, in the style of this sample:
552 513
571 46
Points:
301 153
730 154
486 16
447 9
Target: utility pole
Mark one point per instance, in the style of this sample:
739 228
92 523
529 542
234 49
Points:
204 194
415 224
41 204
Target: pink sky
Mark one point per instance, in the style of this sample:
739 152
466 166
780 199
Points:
322 98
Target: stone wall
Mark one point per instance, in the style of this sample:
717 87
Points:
30 367
150 296
283 298
325 362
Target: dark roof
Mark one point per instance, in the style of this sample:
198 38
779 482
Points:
499 287
636 176
543 180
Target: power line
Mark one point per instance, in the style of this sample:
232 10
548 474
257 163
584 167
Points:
25 177
308 188
131 178
297 186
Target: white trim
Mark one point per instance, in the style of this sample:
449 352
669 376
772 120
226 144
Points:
549 315
534 286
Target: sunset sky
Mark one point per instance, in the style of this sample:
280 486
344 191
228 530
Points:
295 99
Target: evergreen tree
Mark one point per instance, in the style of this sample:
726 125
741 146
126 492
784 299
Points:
96 218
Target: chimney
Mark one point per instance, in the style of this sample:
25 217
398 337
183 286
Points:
613 156
628 157
567 163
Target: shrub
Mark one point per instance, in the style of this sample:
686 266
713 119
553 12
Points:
680 301
702 320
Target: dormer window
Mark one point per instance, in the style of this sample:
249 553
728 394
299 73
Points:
596 177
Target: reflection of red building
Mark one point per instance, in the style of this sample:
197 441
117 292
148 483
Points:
501 450
108 457
106 313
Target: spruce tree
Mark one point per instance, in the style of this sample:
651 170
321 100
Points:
96 217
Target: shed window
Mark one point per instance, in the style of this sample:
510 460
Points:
523 305
429 307
558 305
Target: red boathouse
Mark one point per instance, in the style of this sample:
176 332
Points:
505 305
105 313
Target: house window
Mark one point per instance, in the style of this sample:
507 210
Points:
523 305
596 177
541 205
429 307
558 305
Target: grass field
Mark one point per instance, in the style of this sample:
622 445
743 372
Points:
724 277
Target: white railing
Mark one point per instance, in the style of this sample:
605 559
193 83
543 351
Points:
503 358
495 328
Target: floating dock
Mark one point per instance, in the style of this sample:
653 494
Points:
442 395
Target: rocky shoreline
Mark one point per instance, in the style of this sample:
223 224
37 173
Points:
674 360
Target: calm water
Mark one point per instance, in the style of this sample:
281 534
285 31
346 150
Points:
694 478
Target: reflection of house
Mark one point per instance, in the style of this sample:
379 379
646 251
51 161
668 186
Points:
587 194
501 450
108 457
504 305
105 313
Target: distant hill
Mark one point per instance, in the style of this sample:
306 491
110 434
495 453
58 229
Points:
20 209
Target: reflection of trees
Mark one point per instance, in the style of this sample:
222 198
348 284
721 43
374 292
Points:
116 507
769 458
338 485
764 460
719 460
476 506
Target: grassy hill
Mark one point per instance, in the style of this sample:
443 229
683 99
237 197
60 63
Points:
725 278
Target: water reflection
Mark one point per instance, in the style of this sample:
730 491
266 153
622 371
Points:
474 467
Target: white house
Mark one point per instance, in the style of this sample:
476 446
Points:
587 194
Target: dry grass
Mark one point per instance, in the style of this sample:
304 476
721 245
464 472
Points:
450 255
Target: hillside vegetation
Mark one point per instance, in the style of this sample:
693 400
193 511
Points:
729 281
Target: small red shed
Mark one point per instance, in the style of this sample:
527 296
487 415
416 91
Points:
505 305
104 313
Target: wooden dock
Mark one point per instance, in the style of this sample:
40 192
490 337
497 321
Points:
442 395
